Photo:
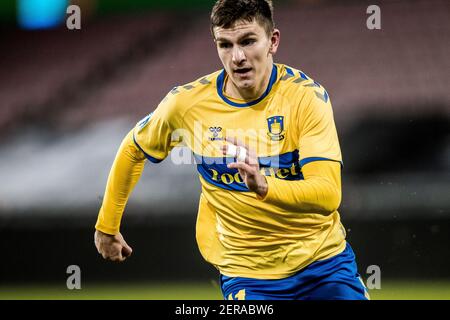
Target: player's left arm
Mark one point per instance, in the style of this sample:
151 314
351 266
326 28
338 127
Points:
319 192
320 158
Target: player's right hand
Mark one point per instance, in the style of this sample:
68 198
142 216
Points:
112 247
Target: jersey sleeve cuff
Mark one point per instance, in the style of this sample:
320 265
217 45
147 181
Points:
271 186
106 229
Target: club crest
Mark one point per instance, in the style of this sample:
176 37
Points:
276 128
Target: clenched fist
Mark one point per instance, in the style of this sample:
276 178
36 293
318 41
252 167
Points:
112 247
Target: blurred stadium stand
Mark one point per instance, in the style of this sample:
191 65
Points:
57 68
69 97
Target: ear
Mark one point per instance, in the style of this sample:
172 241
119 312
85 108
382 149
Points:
275 41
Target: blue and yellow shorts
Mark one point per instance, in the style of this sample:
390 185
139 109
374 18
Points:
335 278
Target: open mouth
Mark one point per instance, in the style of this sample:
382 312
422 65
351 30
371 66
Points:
242 70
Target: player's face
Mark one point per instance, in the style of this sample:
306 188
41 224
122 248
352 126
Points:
246 52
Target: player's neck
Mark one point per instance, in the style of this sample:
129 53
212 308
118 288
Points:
252 93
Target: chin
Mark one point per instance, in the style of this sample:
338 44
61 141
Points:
246 84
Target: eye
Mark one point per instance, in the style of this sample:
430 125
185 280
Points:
247 42
224 45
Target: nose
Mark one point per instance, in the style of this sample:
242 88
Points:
238 55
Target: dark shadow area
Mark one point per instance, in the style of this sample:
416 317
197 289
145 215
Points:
167 251
407 144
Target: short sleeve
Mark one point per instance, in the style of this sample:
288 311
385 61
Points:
154 134
318 139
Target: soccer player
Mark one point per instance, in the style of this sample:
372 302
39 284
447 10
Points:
269 161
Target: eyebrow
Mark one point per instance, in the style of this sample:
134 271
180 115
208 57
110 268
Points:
245 35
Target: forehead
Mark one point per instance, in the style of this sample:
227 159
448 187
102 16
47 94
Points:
238 29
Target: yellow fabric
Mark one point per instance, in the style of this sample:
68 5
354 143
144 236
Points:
320 192
292 131
125 172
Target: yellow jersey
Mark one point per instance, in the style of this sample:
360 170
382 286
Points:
291 129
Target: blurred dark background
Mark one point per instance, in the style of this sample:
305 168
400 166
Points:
67 98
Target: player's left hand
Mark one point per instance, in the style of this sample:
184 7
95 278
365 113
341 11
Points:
247 165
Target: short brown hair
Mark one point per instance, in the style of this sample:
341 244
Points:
226 13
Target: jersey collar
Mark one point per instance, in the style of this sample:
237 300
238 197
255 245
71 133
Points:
220 82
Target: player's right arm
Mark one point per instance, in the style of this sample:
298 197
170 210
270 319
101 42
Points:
125 173
150 139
